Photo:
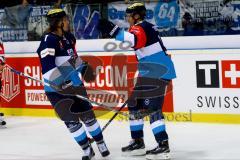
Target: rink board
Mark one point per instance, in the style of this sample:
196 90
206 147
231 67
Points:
206 88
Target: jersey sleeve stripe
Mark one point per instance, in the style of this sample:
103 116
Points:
149 50
47 51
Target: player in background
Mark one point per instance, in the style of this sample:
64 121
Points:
156 69
61 65
2 63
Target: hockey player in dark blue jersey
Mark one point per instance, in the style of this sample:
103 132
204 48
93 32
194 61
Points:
156 69
60 68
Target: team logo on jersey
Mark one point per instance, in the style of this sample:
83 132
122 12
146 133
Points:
70 52
47 51
10 84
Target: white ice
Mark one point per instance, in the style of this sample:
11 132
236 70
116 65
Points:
27 138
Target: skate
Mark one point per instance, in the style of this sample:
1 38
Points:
88 153
135 148
103 149
161 152
2 122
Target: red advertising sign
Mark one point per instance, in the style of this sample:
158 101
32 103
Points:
113 84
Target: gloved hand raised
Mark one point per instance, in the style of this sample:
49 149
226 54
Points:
107 27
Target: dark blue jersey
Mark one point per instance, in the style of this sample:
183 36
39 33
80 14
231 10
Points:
150 51
56 54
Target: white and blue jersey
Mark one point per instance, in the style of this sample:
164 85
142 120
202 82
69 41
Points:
153 64
150 51
55 54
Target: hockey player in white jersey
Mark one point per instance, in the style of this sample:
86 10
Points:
60 68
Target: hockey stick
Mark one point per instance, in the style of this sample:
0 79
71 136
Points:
26 76
78 96
91 140
113 117
90 101
134 116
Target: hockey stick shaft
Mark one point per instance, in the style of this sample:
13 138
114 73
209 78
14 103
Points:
78 96
26 76
90 101
114 116
86 99
81 97
101 105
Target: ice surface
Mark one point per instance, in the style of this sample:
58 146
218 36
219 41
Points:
27 138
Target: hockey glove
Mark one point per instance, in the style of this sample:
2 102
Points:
67 88
88 73
107 27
